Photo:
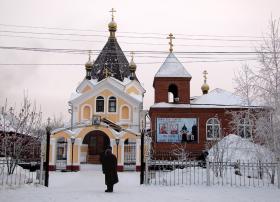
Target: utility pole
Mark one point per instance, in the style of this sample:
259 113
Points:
48 132
142 155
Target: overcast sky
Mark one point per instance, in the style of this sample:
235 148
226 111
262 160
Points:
198 25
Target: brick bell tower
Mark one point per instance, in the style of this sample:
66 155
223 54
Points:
172 81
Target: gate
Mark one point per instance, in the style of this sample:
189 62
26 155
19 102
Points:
130 156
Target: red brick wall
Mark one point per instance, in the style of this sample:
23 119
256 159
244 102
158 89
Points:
161 85
201 114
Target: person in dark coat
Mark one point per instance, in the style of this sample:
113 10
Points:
109 168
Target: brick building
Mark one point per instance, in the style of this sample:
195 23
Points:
178 119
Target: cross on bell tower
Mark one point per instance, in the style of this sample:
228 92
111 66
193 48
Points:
170 37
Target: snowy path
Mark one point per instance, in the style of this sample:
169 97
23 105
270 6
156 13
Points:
88 186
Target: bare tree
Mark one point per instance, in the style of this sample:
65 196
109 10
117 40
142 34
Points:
262 83
180 151
20 133
244 80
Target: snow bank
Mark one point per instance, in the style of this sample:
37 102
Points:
233 148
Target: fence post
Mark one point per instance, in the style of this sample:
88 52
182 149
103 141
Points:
207 172
278 172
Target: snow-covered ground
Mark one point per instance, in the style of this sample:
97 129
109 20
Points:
235 148
88 186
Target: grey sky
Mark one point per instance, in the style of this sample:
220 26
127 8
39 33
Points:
51 86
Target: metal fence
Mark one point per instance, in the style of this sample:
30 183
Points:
130 156
193 172
19 176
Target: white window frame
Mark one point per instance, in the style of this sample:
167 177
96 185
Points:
108 107
246 123
214 137
104 106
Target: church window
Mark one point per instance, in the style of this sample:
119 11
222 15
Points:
245 128
99 104
86 113
125 112
212 128
112 104
173 93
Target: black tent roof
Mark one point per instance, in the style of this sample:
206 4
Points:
111 62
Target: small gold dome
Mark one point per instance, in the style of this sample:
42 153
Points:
205 88
89 65
112 26
132 66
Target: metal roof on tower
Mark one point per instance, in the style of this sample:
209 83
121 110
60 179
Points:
172 67
111 61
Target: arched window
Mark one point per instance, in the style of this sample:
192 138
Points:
173 93
245 128
99 104
212 128
125 112
86 113
112 104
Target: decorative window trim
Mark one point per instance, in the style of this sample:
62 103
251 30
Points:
82 112
213 125
129 112
108 107
104 106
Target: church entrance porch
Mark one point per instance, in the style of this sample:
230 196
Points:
94 144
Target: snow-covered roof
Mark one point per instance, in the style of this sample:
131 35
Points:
219 97
172 67
74 95
137 97
198 106
113 82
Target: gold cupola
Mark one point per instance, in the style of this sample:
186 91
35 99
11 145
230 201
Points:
112 25
132 67
89 66
205 87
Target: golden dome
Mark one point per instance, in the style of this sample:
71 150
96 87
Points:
205 87
132 66
112 26
89 64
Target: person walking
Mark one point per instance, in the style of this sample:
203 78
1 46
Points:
109 168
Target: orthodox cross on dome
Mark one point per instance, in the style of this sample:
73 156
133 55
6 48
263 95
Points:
205 75
132 55
170 37
112 11
89 55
